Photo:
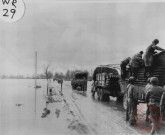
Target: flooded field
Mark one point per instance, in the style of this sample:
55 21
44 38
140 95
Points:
18 114
71 113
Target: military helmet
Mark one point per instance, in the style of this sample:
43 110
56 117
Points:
129 58
131 79
154 81
156 41
141 52
149 80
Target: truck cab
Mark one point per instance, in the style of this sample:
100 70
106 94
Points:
79 81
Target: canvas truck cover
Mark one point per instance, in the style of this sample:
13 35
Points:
104 70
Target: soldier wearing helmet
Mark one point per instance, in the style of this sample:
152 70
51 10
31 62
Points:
153 97
123 65
136 62
148 56
132 101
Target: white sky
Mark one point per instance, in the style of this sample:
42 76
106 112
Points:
70 35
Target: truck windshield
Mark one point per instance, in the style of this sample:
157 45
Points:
80 76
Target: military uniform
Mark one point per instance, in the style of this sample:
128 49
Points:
147 88
135 63
153 97
131 111
148 57
123 65
162 105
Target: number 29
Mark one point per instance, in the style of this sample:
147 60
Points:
13 11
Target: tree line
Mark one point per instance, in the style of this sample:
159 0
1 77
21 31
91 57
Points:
48 74
68 75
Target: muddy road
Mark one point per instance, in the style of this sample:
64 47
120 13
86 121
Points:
97 117
71 112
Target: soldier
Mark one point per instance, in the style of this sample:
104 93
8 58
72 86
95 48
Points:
61 82
135 63
162 105
153 97
123 65
148 56
132 101
148 86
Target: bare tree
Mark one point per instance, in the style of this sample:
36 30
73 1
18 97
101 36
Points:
47 72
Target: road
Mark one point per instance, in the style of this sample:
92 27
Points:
91 116
71 112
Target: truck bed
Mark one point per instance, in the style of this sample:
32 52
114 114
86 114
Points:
156 72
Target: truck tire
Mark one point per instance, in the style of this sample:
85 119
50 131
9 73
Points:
73 87
93 93
119 98
106 97
125 101
98 93
102 95
85 88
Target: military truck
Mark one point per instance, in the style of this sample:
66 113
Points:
106 82
158 70
79 81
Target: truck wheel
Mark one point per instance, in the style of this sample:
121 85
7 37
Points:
125 101
106 96
93 93
92 89
98 93
73 87
119 98
102 95
82 88
85 87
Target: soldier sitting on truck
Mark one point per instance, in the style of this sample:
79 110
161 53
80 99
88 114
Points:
153 97
148 56
123 65
135 63
132 101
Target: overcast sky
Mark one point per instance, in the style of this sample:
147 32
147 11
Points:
70 35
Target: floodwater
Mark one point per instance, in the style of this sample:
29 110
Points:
18 115
71 112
